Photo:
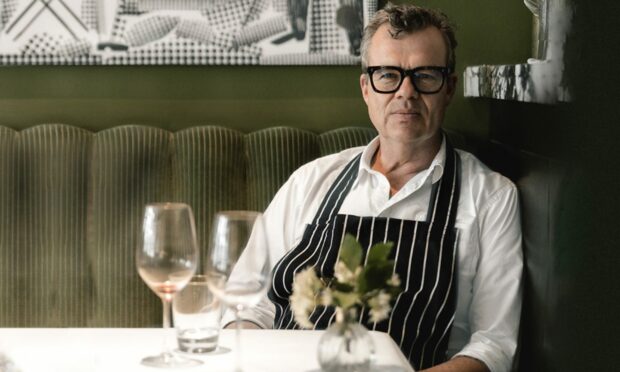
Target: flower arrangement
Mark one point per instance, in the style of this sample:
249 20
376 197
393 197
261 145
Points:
354 285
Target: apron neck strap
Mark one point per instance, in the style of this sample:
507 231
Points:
444 198
338 191
442 204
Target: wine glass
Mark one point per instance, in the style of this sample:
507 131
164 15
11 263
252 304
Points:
238 265
166 260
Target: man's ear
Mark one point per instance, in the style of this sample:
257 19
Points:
365 86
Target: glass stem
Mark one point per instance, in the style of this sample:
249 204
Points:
239 354
167 349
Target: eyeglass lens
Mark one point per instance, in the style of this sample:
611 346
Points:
389 79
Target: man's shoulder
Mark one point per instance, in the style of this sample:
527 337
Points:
327 164
480 177
314 178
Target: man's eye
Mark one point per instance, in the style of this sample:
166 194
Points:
388 75
425 77
421 76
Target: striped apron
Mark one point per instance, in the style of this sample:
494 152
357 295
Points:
425 259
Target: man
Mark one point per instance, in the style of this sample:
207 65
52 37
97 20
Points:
454 223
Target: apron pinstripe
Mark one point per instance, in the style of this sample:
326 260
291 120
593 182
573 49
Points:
425 259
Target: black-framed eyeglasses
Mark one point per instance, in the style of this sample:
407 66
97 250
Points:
425 79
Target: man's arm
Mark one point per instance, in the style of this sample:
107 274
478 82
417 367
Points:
495 307
279 225
245 324
459 364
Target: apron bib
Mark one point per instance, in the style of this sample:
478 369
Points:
425 259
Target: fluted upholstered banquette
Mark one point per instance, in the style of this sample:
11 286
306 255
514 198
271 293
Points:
71 203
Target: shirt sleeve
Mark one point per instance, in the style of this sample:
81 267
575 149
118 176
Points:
495 308
279 224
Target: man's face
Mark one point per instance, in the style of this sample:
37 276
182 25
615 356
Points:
407 116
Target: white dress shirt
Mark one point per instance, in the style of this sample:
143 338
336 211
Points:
490 260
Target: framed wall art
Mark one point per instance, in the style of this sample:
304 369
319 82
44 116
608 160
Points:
182 32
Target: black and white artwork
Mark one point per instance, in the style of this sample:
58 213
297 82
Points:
182 32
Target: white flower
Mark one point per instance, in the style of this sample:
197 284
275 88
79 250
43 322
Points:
394 281
327 298
306 287
344 275
379 306
301 308
307 282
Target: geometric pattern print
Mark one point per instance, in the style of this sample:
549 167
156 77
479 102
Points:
261 30
257 8
279 5
150 29
424 254
310 59
369 9
54 49
74 48
7 8
224 26
42 44
48 60
119 27
198 30
230 16
188 52
128 7
171 51
201 31
149 5
89 13
325 35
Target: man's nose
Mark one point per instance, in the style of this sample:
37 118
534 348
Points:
407 89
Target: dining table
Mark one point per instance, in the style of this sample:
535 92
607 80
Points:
122 349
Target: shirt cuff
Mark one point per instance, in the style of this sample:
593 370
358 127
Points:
261 320
226 324
492 356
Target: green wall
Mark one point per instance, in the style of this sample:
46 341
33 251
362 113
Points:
249 97
584 330
488 32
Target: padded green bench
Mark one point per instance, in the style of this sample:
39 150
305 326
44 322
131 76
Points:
71 204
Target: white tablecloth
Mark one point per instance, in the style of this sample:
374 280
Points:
121 349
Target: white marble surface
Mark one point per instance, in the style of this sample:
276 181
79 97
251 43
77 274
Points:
537 80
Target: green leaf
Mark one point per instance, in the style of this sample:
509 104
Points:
379 253
345 299
375 276
350 252
342 287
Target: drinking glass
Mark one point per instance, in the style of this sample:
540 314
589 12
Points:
197 314
166 260
238 265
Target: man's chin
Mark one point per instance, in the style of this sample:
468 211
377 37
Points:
409 127
409 133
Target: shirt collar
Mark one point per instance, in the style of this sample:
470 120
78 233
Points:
435 170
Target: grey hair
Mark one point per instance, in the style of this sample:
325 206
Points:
408 19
